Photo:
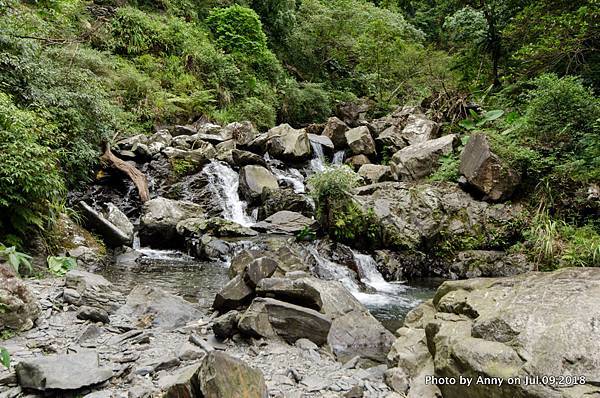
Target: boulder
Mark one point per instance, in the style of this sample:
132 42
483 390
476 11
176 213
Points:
485 171
357 161
222 376
241 132
183 383
335 130
360 141
19 308
93 314
87 289
391 139
419 129
115 216
489 263
241 260
417 161
159 308
225 326
111 234
285 222
214 226
321 140
160 216
185 130
353 113
274 201
259 269
200 155
358 333
372 173
245 158
62 372
253 180
158 141
287 143
270 318
233 295
483 328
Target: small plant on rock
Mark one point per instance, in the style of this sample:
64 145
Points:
59 266
15 258
4 357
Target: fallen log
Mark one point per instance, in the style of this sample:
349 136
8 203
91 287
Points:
138 178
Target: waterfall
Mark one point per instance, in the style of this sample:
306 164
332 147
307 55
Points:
338 157
290 176
224 183
317 163
369 275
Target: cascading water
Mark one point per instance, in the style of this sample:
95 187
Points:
224 182
317 163
292 177
338 157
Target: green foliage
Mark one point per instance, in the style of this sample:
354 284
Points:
181 167
333 184
59 266
307 234
4 357
448 169
237 29
15 258
477 121
304 104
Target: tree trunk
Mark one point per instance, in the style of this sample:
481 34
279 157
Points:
138 178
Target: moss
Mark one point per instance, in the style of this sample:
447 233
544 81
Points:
182 167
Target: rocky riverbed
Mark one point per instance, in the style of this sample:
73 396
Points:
222 284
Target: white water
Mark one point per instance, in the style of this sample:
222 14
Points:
338 157
224 183
317 163
292 176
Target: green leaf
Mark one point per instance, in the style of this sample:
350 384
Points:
61 265
467 124
4 357
492 115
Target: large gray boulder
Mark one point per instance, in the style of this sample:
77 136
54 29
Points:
285 142
419 129
160 216
485 171
285 222
19 307
223 376
114 215
88 289
274 201
214 226
335 130
62 372
489 263
113 235
530 325
159 308
254 180
200 155
271 318
360 141
417 161
245 158
372 173
241 132
233 295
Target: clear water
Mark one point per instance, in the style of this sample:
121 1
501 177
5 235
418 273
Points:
338 157
317 163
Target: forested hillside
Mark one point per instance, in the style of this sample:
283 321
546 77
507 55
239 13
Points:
75 74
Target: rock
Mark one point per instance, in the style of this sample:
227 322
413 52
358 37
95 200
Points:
287 143
215 226
200 155
259 269
153 306
253 180
93 314
353 113
19 307
419 160
241 260
335 130
222 376
360 141
225 326
112 235
160 218
270 318
274 201
62 372
115 216
243 133
485 171
373 173
357 161
183 383
183 130
321 140
88 289
419 129
483 327
358 333
487 263
233 295
210 248
391 139
245 158
159 141
286 222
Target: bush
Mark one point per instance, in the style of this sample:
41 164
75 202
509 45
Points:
237 29
304 104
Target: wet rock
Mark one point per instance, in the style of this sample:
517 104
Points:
152 306
259 269
335 130
488 263
357 161
321 140
242 132
485 171
62 372
215 226
270 318
222 376
88 289
419 160
358 333
253 181
419 129
286 222
160 218
19 307
360 141
373 173
287 143
245 158
225 326
119 220
274 201
112 235
93 314
233 295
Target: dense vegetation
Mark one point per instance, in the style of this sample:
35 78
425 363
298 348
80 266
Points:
76 73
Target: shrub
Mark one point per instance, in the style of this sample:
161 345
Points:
15 258
237 29
304 104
